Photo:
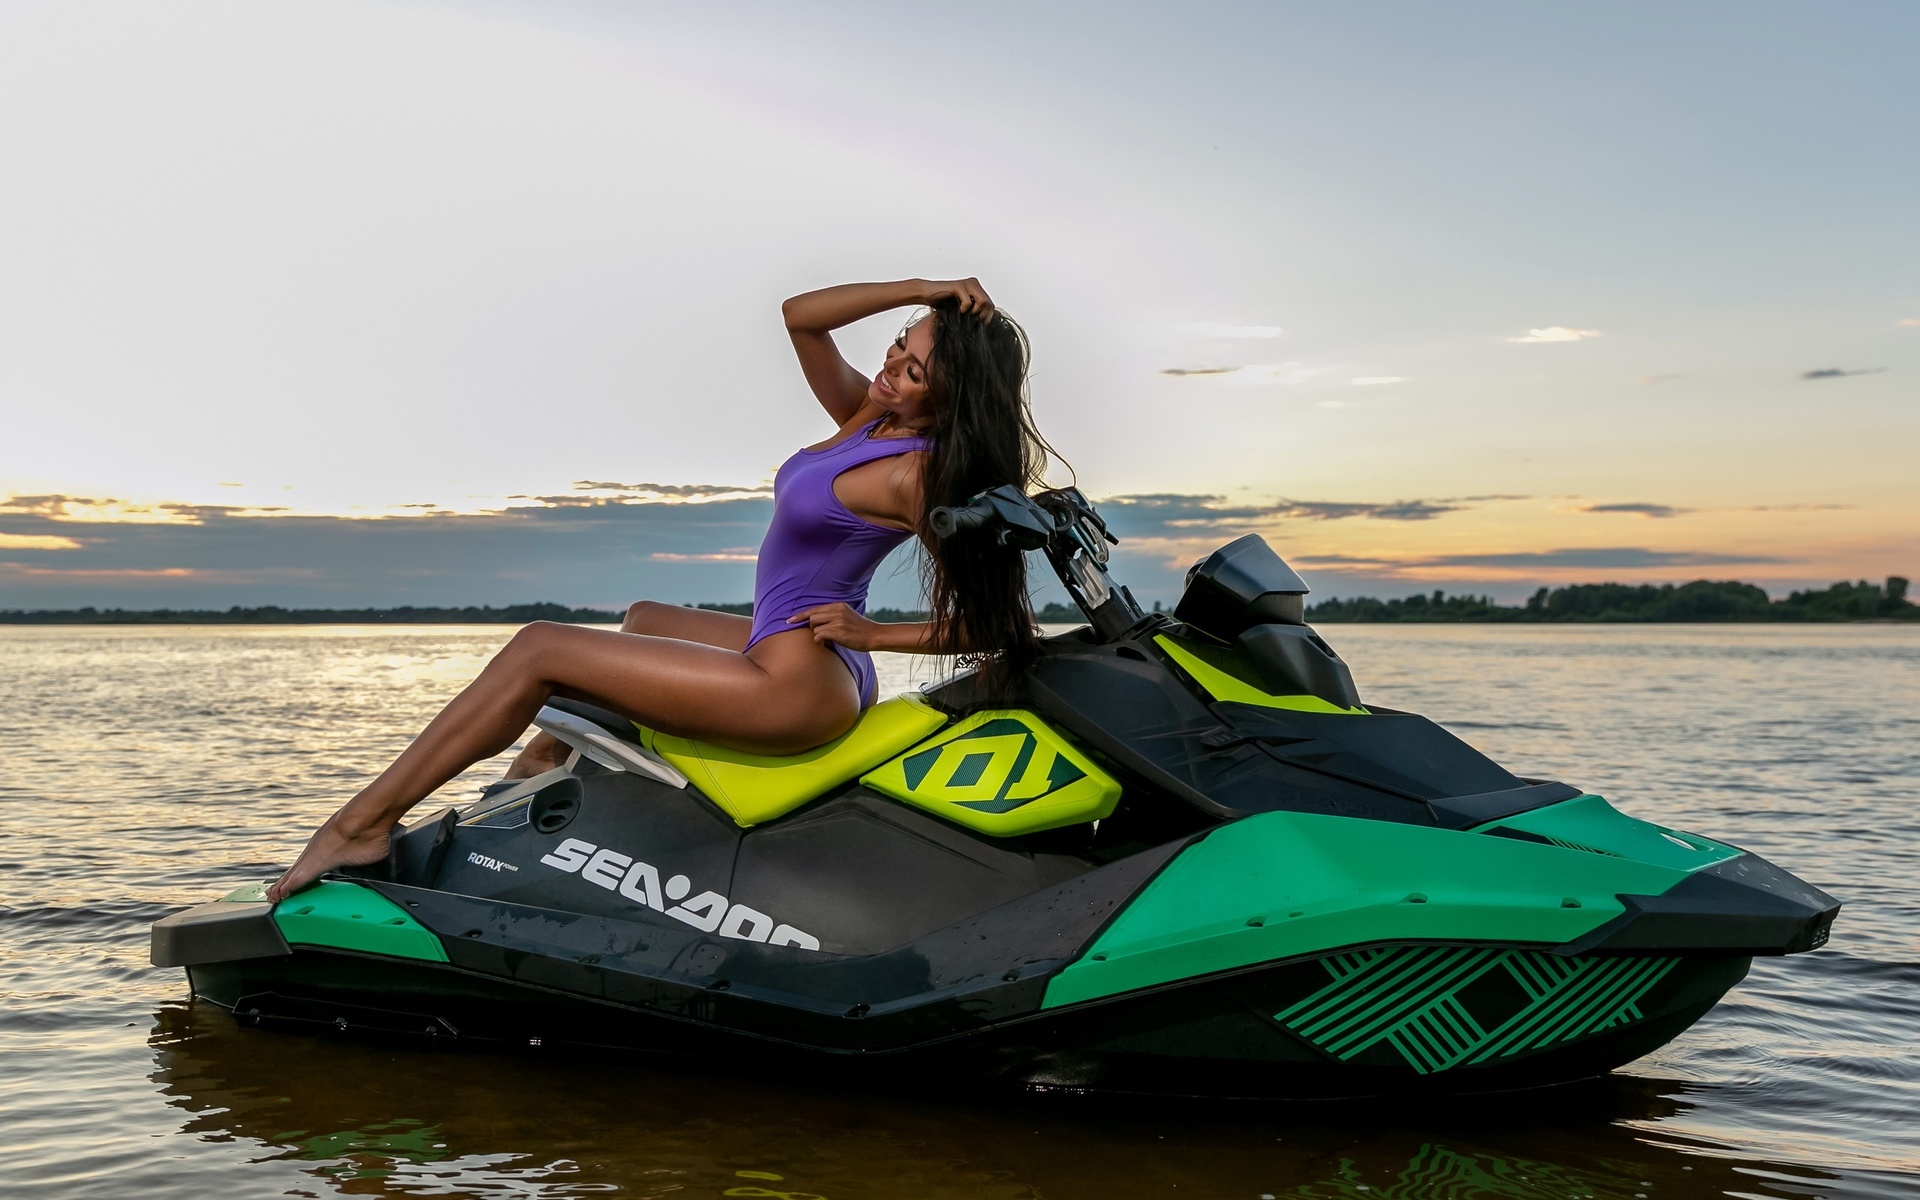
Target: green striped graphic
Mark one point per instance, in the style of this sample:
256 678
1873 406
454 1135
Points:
1416 999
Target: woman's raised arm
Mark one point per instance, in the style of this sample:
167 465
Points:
813 316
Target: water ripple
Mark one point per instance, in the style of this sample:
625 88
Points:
154 768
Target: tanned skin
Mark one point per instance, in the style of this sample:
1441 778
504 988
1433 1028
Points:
686 671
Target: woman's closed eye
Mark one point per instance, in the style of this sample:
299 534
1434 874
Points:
913 364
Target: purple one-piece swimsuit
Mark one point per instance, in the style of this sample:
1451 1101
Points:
817 551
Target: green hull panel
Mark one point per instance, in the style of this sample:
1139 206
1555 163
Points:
1591 824
1439 1007
1283 885
346 916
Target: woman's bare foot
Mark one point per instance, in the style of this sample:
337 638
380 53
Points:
332 846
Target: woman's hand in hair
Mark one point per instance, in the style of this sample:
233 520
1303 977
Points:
973 298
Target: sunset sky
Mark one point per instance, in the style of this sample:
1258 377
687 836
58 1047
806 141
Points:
346 304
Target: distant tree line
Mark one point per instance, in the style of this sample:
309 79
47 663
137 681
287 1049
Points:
512 614
273 614
1701 600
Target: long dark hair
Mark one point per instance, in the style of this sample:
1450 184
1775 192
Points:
983 436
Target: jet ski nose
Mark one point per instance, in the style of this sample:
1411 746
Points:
1744 905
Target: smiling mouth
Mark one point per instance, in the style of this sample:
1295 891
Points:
880 381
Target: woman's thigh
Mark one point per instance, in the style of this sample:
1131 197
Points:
725 630
789 695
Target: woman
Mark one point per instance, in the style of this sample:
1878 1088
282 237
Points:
944 419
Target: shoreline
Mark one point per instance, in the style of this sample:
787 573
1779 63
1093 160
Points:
1702 602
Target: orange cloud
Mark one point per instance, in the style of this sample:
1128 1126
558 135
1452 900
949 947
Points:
104 573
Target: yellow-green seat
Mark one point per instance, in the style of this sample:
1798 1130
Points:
755 788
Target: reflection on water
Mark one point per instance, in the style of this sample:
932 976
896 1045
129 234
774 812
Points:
359 1120
152 768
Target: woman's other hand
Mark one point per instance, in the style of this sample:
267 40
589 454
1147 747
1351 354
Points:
973 298
838 623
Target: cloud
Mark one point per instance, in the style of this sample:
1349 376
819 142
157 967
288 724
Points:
685 493
197 513
91 508
1839 372
1656 380
1660 511
1140 515
1626 558
601 549
606 550
1910 322
1205 329
54 505
1177 515
1289 372
1556 333
70 575
1375 380
1396 510
646 499
36 541
75 574
1664 511
736 554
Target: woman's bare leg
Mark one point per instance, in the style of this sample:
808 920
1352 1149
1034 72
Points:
725 630
788 694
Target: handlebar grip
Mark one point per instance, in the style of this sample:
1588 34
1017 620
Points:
946 521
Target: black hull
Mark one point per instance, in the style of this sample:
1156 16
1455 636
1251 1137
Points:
1206 1037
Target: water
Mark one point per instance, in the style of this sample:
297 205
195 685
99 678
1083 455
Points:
150 768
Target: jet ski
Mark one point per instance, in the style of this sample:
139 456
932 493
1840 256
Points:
1176 854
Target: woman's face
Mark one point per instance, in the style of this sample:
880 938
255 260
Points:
901 384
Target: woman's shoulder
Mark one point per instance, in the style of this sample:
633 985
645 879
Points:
886 491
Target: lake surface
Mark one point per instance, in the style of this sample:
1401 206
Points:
151 768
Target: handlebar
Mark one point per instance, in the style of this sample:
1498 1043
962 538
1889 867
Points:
1062 523
1017 521
949 520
